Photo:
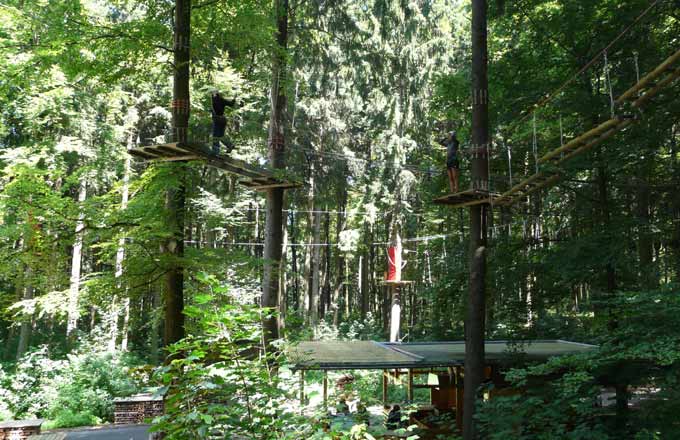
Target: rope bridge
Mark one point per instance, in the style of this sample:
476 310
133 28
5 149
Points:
636 97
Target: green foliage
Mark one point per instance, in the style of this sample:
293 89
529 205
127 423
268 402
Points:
75 391
222 381
68 419
561 398
88 385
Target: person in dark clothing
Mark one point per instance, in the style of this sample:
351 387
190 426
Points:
451 144
394 418
219 122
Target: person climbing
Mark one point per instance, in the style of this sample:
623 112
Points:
219 122
451 144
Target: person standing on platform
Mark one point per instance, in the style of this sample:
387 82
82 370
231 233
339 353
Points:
451 144
219 122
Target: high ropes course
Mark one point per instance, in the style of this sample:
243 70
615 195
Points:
635 98
251 176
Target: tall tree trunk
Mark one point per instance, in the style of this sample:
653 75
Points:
173 293
120 257
475 313
364 287
274 220
283 280
307 269
155 326
76 261
125 331
294 264
341 223
26 322
326 289
647 272
316 268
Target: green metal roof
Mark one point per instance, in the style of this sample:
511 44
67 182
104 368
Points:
339 355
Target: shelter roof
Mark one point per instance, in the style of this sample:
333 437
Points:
339 355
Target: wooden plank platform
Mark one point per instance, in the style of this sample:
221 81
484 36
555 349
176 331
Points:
466 198
252 177
395 283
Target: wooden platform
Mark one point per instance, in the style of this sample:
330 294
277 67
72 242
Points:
251 176
395 283
466 198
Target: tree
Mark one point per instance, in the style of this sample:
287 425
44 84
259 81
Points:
476 309
173 293
273 237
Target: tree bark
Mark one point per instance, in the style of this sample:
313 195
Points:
173 293
326 289
316 268
475 313
283 279
76 261
647 272
26 322
364 288
274 220
120 257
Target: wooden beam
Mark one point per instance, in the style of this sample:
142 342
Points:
150 151
459 397
625 123
325 389
302 390
257 187
177 148
384 387
171 152
141 154
574 143
410 385
647 79
173 159
649 94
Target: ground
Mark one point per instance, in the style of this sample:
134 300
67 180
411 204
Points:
128 432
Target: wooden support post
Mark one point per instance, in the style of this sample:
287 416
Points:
302 390
459 397
410 385
384 388
431 388
325 389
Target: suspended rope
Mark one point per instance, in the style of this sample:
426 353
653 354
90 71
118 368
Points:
608 83
561 136
637 67
509 164
535 145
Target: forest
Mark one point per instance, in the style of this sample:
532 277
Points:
341 219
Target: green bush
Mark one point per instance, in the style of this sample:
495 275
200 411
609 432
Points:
69 419
75 391
89 383
222 384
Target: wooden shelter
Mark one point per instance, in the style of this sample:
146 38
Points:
445 360
251 176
